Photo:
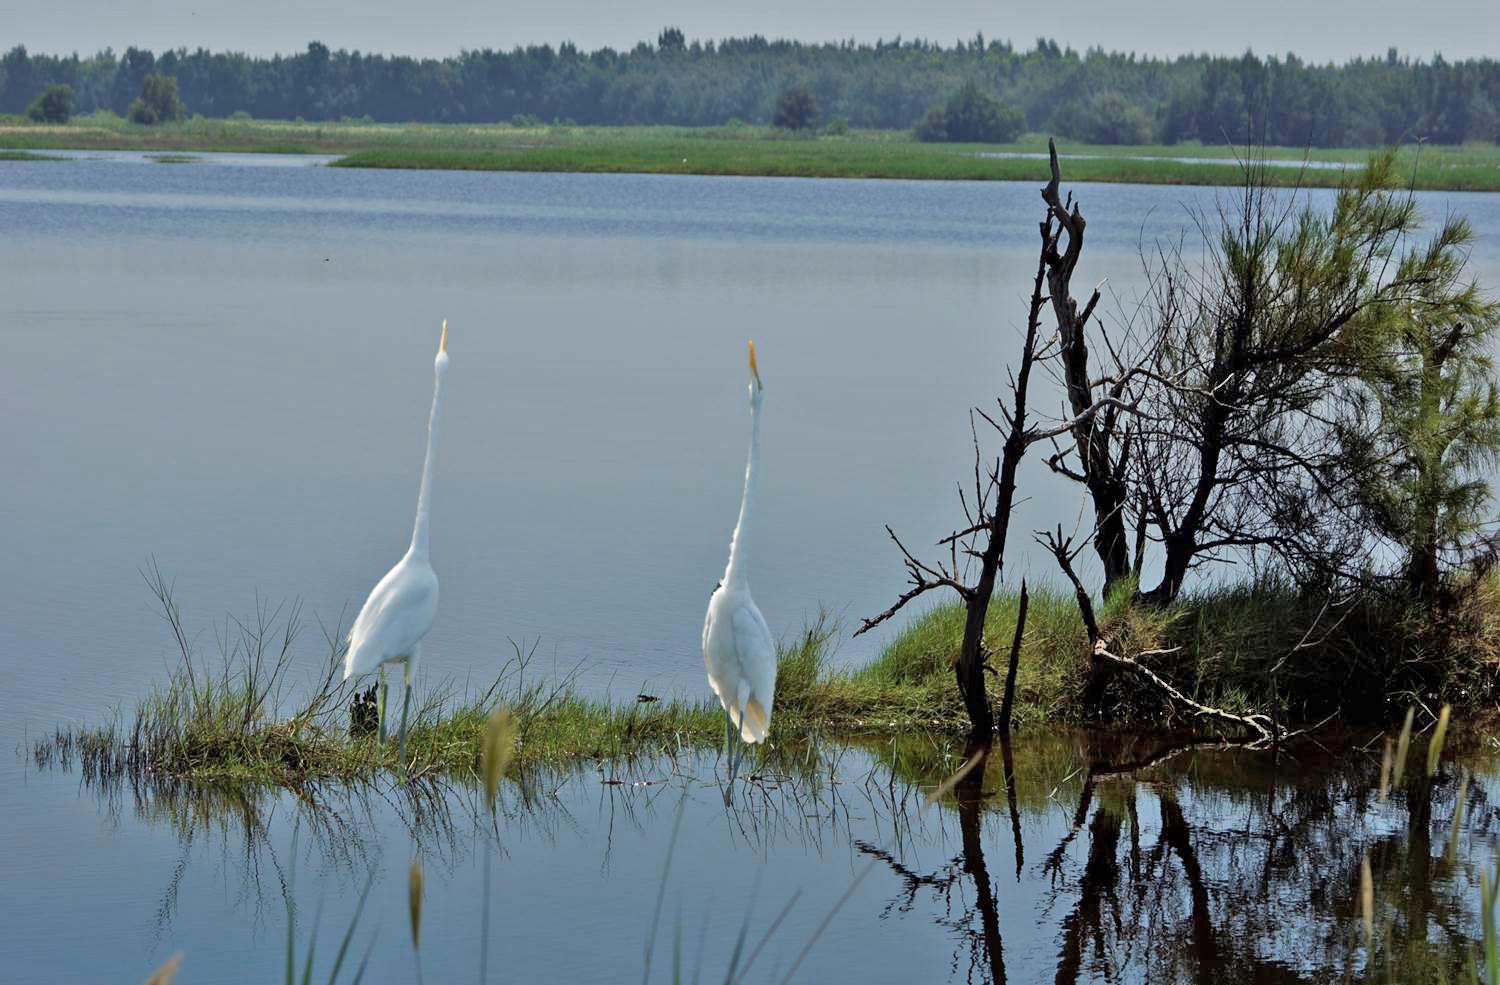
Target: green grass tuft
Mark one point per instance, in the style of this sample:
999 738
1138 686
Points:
241 717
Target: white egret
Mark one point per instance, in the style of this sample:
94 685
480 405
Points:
400 609
737 644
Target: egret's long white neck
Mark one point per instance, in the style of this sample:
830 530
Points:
424 498
739 546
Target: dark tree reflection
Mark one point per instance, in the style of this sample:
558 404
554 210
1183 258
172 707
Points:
969 796
976 926
1084 927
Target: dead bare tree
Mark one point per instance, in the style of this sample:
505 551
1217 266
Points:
987 507
1101 442
988 516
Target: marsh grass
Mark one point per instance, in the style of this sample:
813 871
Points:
241 713
669 151
1394 950
1264 645
312 945
734 150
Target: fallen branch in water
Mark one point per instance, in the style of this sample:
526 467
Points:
1262 725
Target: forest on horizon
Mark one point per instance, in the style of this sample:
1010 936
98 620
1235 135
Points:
1094 96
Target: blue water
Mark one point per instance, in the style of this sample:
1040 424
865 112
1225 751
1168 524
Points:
227 368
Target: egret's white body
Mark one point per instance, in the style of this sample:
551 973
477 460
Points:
737 644
741 659
399 612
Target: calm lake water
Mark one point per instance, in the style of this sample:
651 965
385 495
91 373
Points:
227 367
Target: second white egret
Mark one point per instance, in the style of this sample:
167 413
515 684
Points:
737 644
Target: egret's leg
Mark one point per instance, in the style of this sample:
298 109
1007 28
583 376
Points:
740 742
405 707
737 752
728 749
380 711
728 746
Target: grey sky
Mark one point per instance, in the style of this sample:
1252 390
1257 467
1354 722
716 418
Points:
1318 30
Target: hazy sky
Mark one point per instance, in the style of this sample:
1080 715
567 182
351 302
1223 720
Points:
1315 29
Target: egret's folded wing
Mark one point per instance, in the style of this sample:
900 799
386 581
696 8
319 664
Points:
723 668
383 611
752 638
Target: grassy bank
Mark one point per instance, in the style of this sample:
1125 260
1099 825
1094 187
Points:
1365 662
737 150
843 157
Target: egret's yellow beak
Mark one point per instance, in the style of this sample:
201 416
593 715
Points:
753 371
443 340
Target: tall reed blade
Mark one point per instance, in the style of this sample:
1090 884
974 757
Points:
661 891
1439 735
1367 904
414 901
291 908
1460 807
359 909
499 747
1385 772
484 923
1487 886
167 972
1403 744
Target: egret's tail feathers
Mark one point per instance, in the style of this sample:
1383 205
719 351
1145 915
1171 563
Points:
755 722
727 698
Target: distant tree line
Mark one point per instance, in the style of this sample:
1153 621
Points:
1094 96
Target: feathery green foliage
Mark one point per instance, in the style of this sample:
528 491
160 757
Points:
1428 386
